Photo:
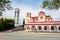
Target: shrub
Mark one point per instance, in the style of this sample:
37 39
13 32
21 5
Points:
6 24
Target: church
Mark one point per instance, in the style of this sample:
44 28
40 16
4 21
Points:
41 23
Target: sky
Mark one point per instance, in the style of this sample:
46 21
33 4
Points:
33 6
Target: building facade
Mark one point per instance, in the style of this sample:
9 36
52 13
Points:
41 23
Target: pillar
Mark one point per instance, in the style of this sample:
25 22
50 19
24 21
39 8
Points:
43 28
26 28
50 28
58 28
36 28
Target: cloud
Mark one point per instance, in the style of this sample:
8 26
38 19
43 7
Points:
55 14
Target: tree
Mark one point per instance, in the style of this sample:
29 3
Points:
4 4
23 22
51 4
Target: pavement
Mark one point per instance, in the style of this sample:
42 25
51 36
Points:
23 35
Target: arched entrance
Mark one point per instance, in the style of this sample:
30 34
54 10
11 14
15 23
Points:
33 28
39 27
28 28
46 28
53 28
59 28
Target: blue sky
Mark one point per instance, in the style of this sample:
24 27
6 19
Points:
32 3
33 6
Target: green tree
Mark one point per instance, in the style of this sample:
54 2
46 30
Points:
4 4
51 4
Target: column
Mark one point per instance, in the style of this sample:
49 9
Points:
43 28
50 28
26 28
58 28
36 28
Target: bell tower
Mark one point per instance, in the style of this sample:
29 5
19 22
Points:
28 17
28 14
16 16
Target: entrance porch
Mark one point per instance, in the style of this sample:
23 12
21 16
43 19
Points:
43 28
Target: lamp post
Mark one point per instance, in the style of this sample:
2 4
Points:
17 16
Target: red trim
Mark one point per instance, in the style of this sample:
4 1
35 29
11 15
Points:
45 22
34 16
42 24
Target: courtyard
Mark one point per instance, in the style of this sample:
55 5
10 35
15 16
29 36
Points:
23 35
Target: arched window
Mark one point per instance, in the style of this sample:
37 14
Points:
28 20
48 19
59 27
39 27
41 17
45 28
52 27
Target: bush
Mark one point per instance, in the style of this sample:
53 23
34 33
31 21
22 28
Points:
6 24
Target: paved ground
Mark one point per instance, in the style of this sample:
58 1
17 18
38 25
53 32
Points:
21 35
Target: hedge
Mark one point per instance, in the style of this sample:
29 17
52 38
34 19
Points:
6 24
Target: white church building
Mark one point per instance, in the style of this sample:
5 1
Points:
41 23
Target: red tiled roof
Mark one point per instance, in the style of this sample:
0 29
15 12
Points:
41 12
34 18
48 17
